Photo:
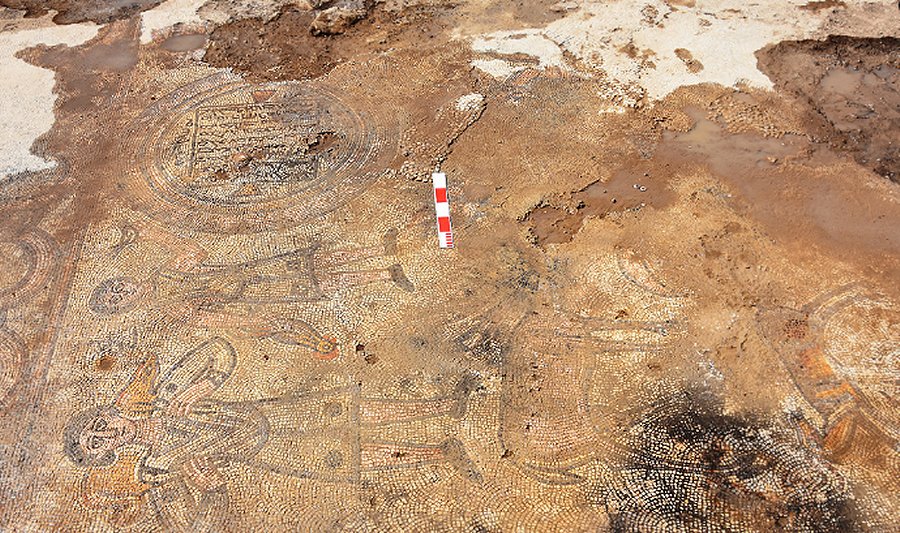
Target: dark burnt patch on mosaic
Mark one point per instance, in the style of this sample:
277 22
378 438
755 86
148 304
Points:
692 466
486 344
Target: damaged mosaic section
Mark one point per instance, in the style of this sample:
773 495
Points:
671 302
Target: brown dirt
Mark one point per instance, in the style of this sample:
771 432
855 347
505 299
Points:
817 5
528 13
824 210
687 57
75 11
285 48
850 88
685 3
630 188
288 46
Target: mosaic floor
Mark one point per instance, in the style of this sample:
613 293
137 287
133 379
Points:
673 304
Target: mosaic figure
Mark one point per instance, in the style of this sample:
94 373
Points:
27 267
243 297
12 356
166 447
845 375
551 418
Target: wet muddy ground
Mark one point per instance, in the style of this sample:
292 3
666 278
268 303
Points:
71 12
225 306
850 87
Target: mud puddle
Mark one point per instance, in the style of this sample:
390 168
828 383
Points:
725 152
75 11
184 42
642 183
629 188
851 89
791 185
794 188
101 66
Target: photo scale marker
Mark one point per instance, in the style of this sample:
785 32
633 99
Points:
442 210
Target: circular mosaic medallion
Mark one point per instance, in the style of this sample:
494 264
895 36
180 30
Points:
236 157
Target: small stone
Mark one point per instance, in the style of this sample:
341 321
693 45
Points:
338 19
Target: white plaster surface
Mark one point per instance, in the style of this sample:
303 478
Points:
169 14
723 35
538 45
468 102
497 68
26 109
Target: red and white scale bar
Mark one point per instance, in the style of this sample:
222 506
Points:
442 210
